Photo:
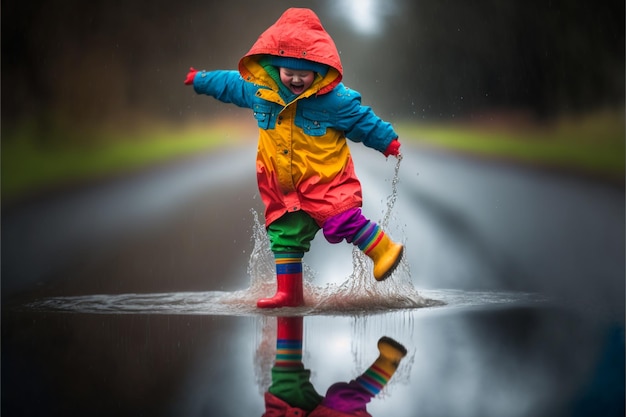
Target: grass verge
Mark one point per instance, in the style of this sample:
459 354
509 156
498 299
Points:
591 145
29 167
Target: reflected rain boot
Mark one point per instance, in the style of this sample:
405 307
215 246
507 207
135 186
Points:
289 332
385 253
289 291
291 392
378 375
352 398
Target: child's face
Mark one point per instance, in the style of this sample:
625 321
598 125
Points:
297 81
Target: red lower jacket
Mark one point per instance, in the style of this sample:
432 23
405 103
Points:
275 407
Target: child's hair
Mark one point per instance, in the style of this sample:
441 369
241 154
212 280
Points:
297 64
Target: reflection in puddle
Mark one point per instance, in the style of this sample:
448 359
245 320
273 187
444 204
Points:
290 390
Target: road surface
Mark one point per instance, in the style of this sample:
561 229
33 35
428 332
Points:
529 266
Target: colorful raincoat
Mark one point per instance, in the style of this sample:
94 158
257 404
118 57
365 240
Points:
303 160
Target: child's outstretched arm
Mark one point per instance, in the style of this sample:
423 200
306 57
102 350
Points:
224 85
361 124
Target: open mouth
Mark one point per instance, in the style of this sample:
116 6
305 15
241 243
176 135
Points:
297 89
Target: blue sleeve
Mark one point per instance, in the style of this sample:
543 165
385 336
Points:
225 86
360 123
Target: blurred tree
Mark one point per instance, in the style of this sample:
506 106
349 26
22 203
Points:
75 63
549 57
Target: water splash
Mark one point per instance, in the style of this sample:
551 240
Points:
391 200
359 293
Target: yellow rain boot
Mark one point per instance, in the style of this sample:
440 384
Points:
391 353
380 372
385 253
386 256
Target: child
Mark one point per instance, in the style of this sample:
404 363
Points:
291 79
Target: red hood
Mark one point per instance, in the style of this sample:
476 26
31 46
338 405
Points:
298 33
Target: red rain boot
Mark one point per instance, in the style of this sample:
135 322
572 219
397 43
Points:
288 292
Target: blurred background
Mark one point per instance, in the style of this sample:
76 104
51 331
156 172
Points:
79 80
117 179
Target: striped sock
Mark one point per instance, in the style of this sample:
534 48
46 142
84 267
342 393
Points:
374 379
289 342
288 353
368 237
288 263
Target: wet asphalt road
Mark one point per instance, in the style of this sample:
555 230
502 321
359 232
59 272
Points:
471 228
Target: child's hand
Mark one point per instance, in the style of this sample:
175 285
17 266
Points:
393 149
191 76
